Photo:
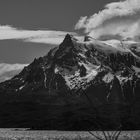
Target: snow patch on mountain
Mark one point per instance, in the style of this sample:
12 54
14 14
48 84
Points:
137 70
108 78
76 81
20 88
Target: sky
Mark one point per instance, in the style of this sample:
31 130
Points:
117 20
34 15
30 28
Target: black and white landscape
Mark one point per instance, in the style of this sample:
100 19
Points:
81 79
75 84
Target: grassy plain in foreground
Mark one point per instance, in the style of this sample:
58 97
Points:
12 134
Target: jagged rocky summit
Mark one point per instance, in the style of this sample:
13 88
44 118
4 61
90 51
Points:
66 88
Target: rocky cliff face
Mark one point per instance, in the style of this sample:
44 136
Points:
104 72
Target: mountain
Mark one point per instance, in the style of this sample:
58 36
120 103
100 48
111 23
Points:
75 85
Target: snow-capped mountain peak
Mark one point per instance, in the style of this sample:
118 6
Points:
76 66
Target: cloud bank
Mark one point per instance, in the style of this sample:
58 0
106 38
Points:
36 36
7 32
118 19
7 71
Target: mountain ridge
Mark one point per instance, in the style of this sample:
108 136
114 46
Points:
87 59
75 70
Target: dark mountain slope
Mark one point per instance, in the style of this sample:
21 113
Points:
73 86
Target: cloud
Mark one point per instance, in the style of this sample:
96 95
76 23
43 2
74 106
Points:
7 71
36 36
117 18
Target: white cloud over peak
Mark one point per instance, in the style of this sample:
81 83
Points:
36 36
117 18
